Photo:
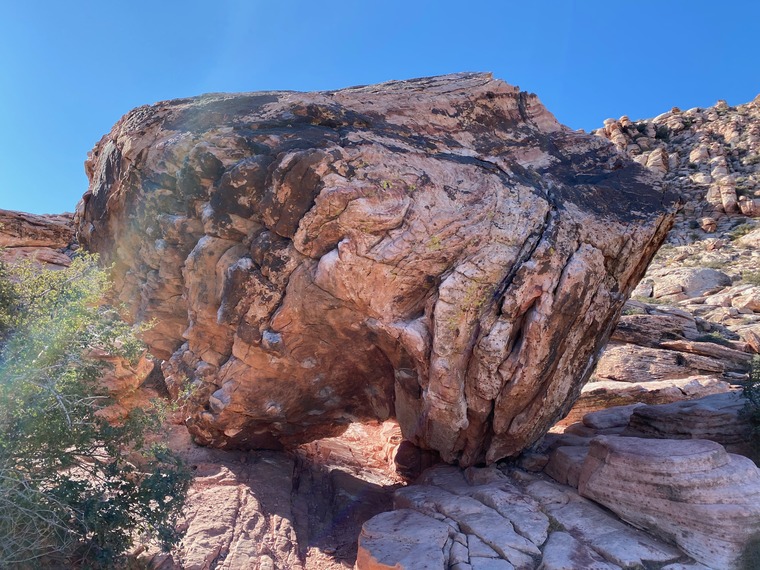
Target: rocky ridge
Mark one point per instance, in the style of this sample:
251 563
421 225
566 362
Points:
694 320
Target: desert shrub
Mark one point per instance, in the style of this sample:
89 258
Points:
715 338
751 277
740 230
8 303
720 264
75 491
662 133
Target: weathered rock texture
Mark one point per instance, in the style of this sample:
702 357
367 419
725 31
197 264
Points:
713 162
45 239
440 250
718 417
692 493
695 321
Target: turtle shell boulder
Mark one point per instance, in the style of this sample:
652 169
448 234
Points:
439 250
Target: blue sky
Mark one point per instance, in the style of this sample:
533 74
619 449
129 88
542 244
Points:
70 69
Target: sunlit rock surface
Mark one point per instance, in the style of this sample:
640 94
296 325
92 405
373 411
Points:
440 250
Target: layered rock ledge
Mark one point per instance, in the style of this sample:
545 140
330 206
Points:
440 250
45 239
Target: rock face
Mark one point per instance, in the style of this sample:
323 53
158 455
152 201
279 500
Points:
717 417
694 320
682 486
439 250
42 238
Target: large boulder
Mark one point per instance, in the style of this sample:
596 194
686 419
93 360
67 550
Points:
440 250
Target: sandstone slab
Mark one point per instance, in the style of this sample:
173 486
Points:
480 510
563 552
402 539
716 417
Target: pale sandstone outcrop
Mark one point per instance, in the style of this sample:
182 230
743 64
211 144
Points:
659 354
691 492
439 250
272 510
717 417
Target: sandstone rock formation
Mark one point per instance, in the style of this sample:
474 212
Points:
695 322
502 519
439 250
659 354
272 510
43 238
691 492
714 164
717 417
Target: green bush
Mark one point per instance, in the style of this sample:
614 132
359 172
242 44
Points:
75 491
751 277
740 230
715 338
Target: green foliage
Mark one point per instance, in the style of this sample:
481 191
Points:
740 230
74 489
715 338
751 277
714 264
662 133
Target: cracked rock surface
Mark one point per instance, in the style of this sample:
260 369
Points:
438 250
694 320
505 519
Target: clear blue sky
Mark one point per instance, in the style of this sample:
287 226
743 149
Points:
70 69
